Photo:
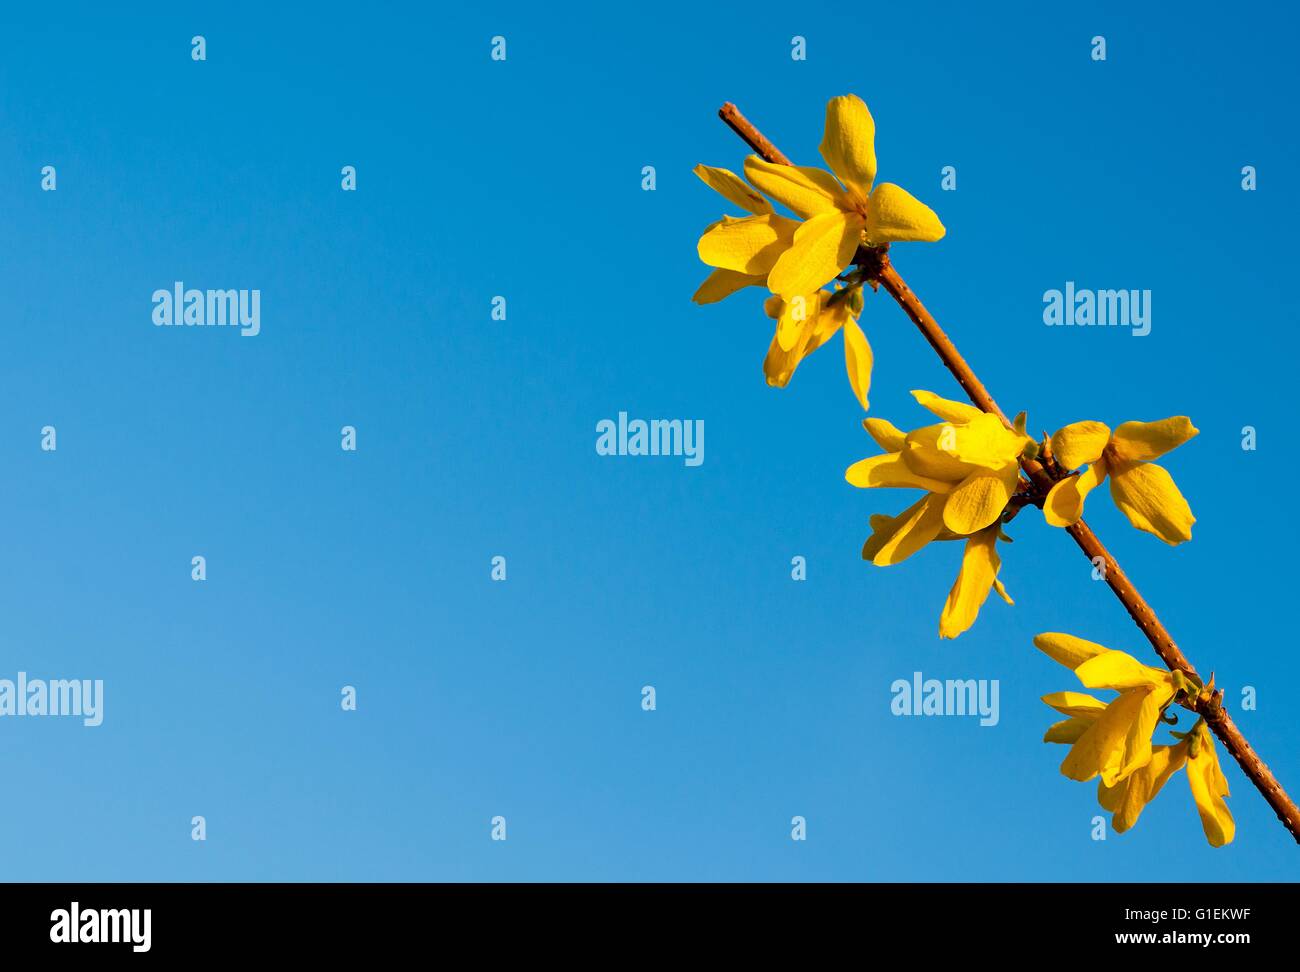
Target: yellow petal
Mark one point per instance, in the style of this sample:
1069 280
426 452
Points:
1120 670
1080 705
1080 443
1064 504
1209 787
1118 742
750 245
889 470
724 283
826 182
1067 649
734 188
1067 731
797 316
780 363
908 532
823 246
1144 441
1002 591
895 215
983 441
806 192
1127 799
884 527
857 358
887 435
849 142
946 409
1147 495
979 568
928 452
779 366
830 319
1137 742
978 500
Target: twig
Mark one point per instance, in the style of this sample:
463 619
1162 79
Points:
876 263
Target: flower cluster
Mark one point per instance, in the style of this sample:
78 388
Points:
1113 740
1144 491
968 465
837 212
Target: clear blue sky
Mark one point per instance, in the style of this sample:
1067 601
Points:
477 438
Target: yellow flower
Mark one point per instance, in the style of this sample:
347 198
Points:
1127 798
1209 787
840 214
752 250
1196 751
806 323
1112 739
1144 491
743 250
967 464
978 575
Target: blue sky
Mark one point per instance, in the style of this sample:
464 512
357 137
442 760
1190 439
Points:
476 438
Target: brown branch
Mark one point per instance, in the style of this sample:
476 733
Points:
879 268
730 114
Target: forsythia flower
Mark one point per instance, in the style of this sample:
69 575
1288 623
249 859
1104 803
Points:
1127 799
805 324
744 251
1111 740
795 259
967 464
1144 491
968 467
838 215
1209 787
978 575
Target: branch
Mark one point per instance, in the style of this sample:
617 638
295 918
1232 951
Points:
879 268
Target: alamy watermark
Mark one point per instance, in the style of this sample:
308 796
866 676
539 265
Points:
953 696
209 308
132 926
656 437
55 697
1098 308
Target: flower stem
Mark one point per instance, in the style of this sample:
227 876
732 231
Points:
876 263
